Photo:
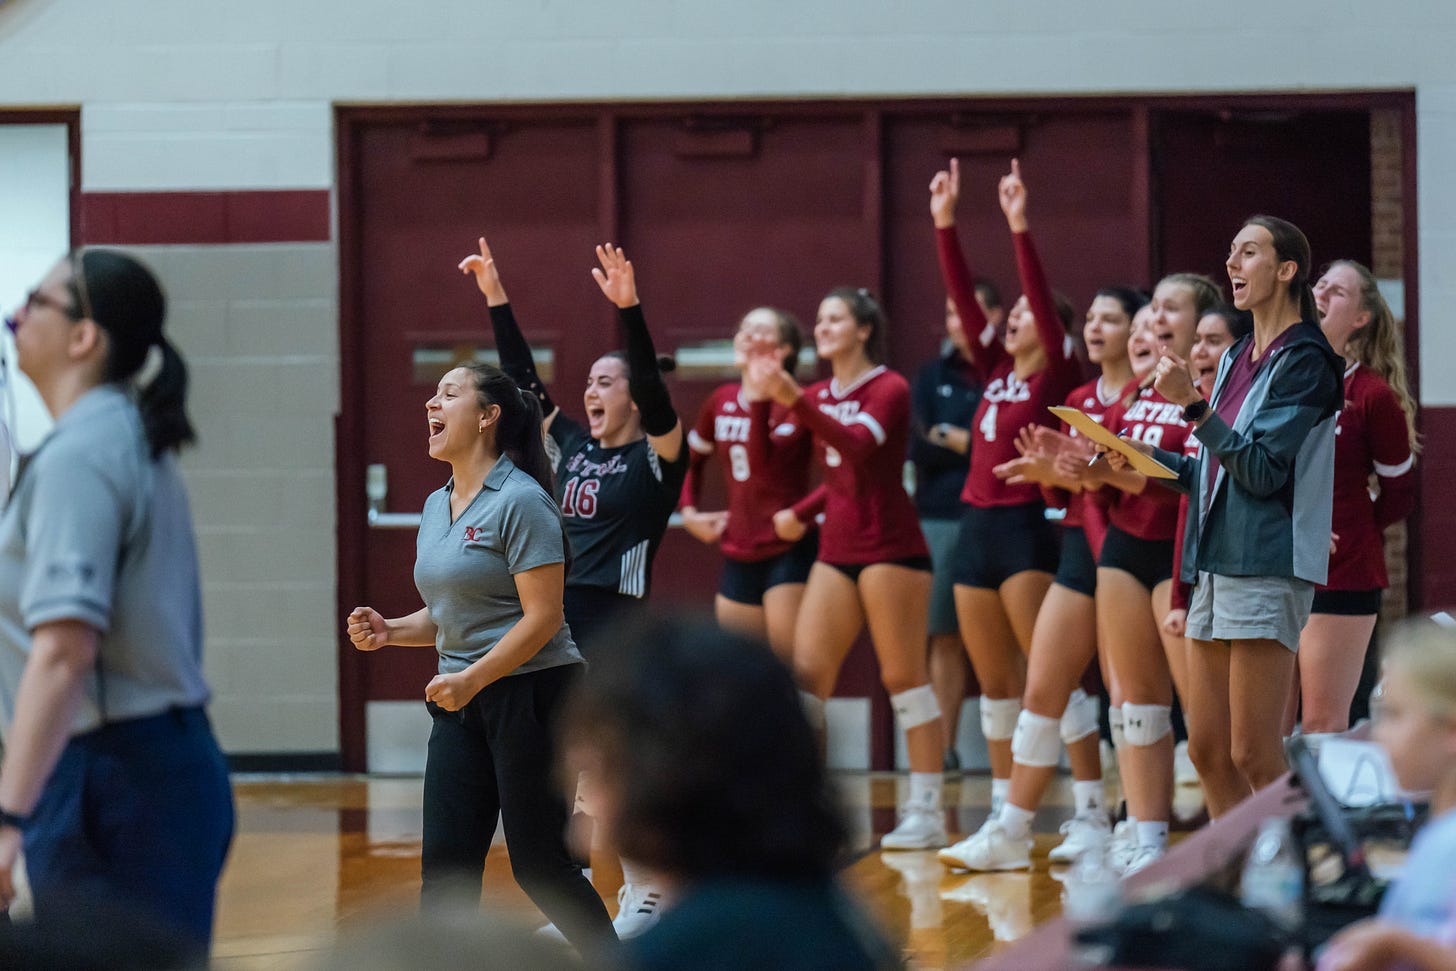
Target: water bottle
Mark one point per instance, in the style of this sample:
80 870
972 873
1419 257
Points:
1091 896
1273 878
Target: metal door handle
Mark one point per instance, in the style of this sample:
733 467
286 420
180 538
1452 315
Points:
376 490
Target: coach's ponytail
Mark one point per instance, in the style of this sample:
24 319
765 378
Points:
123 297
518 431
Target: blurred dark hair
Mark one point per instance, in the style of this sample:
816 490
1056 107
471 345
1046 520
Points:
518 431
989 293
666 363
1131 298
1238 322
867 312
719 770
126 301
1290 244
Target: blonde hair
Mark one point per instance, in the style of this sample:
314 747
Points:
1377 345
1206 293
1425 652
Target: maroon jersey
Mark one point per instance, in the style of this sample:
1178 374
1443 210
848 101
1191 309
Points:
1371 438
1009 403
1181 591
862 432
1093 400
1151 418
765 456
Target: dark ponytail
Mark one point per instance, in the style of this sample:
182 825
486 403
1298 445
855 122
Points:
518 432
123 297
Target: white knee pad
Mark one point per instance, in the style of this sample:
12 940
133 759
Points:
998 717
1035 742
915 706
813 710
1080 718
1114 722
1145 724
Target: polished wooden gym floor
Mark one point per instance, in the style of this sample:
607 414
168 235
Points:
316 856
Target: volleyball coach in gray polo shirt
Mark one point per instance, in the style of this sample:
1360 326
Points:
111 774
490 565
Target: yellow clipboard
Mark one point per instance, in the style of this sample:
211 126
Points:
1089 428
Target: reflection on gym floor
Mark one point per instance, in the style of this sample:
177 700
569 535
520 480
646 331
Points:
318 855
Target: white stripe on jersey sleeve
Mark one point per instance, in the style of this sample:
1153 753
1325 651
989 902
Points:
653 463
634 571
988 336
1394 471
873 426
699 444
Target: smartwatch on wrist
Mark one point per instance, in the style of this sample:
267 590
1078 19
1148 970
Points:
8 818
1195 412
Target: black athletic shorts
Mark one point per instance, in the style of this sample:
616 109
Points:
1076 570
1150 561
1347 603
853 570
745 583
998 542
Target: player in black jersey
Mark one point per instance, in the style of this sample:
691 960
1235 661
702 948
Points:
618 480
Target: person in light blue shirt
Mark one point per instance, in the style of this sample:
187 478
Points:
490 565
1415 720
112 778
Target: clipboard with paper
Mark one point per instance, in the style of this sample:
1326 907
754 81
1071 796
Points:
1089 428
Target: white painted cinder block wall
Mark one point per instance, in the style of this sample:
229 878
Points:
198 94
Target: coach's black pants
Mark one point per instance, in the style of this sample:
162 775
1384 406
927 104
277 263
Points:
493 759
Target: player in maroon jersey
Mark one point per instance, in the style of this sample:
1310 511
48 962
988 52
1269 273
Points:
765 456
1056 709
1006 554
1135 575
1375 437
873 564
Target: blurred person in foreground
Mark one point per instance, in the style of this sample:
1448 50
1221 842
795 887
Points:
1415 721
710 774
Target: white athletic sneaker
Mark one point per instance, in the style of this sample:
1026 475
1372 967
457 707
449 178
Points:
1087 828
989 848
918 829
1144 856
638 907
1184 774
1122 846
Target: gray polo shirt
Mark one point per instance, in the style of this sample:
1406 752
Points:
465 570
98 532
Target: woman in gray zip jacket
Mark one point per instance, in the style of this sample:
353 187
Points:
1258 534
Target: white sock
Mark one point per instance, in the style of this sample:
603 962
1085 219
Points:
1088 796
925 790
1152 833
638 875
1000 789
1015 820
1131 823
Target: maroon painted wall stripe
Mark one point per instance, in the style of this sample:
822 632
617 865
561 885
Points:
202 218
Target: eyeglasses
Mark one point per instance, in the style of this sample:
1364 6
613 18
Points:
35 300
